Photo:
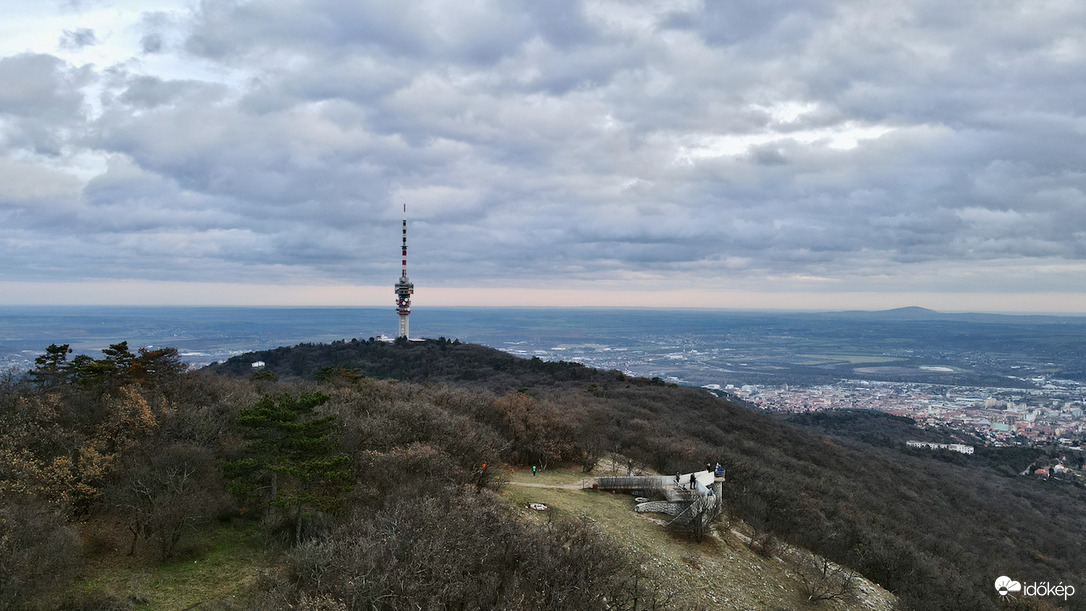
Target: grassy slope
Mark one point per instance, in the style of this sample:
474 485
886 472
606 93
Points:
214 566
719 573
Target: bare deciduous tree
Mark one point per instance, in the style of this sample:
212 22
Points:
821 579
167 494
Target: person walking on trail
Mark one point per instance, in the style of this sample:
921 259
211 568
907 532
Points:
480 478
533 470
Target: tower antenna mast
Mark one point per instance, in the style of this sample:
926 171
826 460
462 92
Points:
404 288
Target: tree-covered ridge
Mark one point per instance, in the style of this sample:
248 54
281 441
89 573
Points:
875 428
438 360
904 519
933 532
147 466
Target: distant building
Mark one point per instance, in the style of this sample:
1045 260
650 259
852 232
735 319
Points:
953 447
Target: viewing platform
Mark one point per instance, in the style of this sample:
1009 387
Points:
692 498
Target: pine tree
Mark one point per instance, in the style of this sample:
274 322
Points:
288 440
53 368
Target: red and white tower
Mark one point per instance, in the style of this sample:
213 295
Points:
404 288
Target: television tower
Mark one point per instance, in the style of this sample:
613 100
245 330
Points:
404 288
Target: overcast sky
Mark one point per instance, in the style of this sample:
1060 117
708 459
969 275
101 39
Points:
799 154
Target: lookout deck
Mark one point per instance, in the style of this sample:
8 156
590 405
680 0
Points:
691 497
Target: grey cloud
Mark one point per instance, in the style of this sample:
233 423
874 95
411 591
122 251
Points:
557 71
150 92
475 33
77 39
159 29
529 138
41 102
30 186
755 22
924 62
41 86
767 154
151 43
562 24
354 78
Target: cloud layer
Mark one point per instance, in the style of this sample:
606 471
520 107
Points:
769 146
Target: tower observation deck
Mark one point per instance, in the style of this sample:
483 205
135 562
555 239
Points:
404 288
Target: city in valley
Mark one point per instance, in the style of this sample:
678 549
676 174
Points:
1051 414
1038 410
1004 380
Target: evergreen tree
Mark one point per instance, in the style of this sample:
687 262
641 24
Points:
293 444
108 373
154 367
53 368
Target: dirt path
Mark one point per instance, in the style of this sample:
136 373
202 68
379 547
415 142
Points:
576 486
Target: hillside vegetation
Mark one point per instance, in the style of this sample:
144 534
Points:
360 464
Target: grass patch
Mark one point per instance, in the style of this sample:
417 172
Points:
612 513
216 565
560 476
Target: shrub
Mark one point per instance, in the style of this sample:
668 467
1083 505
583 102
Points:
38 553
458 551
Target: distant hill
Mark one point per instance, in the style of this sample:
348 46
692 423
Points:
906 313
438 360
919 314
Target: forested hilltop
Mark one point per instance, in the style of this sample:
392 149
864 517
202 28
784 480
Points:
357 466
435 361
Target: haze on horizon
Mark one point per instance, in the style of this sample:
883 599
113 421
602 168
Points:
808 154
